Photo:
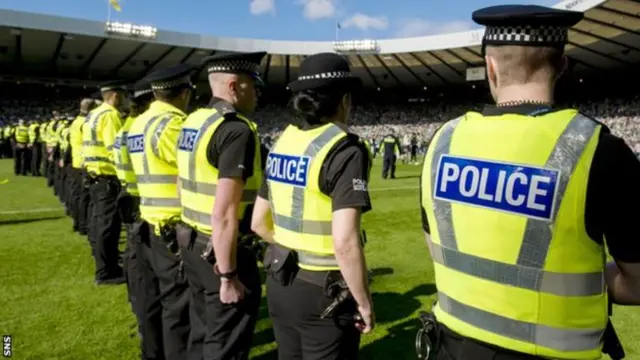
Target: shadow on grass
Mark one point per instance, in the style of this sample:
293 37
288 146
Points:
16 221
399 343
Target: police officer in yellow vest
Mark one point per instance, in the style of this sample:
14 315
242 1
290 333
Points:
21 141
35 142
98 138
79 195
220 171
50 142
152 144
58 153
516 200
315 193
129 207
8 136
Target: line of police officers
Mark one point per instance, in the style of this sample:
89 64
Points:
519 260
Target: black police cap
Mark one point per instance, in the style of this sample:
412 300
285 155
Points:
141 88
242 63
171 77
322 70
527 25
116 85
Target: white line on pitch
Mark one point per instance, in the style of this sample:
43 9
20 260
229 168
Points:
29 211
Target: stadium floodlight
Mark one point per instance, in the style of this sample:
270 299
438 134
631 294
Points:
356 46
131 30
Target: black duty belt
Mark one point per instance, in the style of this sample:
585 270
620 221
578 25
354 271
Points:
318 278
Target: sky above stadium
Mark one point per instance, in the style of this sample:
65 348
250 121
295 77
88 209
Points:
281 19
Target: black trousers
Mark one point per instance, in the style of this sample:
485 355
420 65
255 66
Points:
389 166
36 159
300 333
20 160
219 331
166 321
105 226
79 200
456 347
51 172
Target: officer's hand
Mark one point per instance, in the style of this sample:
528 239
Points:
366 320
61 163
231 291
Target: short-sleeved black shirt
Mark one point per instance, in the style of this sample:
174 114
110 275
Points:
614 182
344 171
231 148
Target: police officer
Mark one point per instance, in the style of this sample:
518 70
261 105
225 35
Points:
62 133
35 140
316 192
391 151
79 197
516 201
51 144
98 138
220 173
129 206
21 136
152 145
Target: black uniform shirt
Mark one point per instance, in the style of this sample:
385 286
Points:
613 192
231 149
344 172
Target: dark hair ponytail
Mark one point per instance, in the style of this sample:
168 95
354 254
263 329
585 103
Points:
312 106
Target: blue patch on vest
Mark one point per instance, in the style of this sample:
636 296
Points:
135 143
116 143
514 188
288 169
187 139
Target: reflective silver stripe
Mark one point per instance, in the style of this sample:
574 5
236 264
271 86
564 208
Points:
158 179
312 227
195 215
296 221
132 186
316 259
193 164
98 159
146 177
124 167
210 189
93 125
528 272
159 202
550 337
157 133
92 143
561 284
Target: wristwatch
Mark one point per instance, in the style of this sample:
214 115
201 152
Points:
228 275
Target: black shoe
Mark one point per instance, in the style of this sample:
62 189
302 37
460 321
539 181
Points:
83 232
111 281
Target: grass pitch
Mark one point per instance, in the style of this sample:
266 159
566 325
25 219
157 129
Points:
52 309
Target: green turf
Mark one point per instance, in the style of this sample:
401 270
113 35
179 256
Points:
51 307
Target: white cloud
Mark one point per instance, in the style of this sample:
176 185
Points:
365 22
258 7
420 27
318 9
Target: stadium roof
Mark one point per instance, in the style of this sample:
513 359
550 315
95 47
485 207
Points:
58 47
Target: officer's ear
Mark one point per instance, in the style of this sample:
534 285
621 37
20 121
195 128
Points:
492 71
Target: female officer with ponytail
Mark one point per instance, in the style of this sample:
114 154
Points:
309 209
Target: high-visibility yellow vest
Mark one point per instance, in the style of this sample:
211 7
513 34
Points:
505 201
64 138
98 137
301 213
124 170
152 143
58 134
75 140
22 134
33 133
52 139
7 132
198 179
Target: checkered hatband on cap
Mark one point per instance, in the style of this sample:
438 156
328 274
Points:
327 75
141 92
234 66
163 85
526 35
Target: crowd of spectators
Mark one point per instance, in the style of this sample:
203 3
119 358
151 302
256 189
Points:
370 121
